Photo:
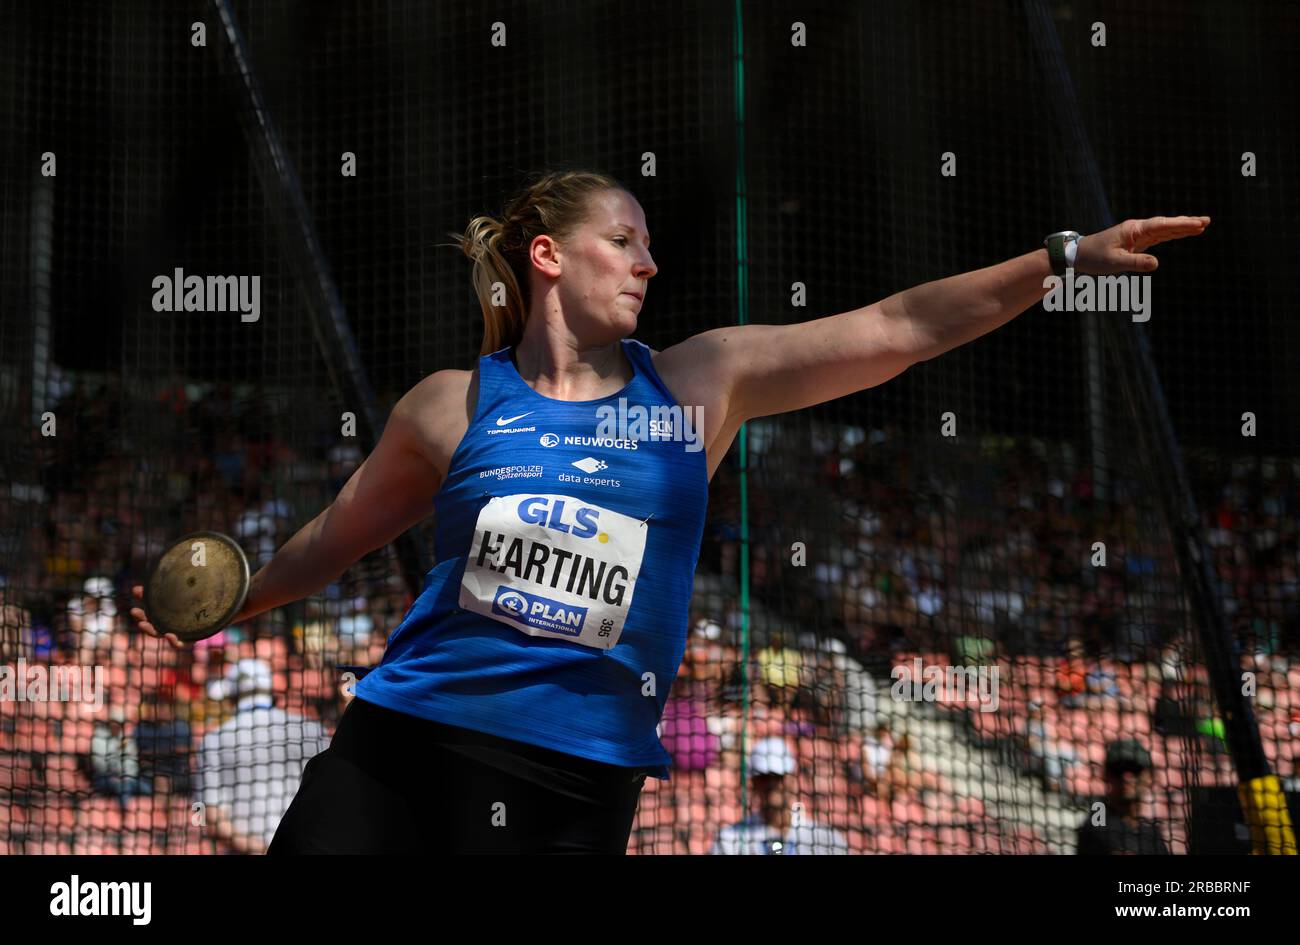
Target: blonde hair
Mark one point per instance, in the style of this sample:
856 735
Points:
555 204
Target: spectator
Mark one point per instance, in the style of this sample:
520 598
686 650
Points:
804 714
20 637
877 746
313 634
1049 756
114 760
1292 784
163 742
779 668
1167 716
927 596
355 626
777 826
906 775
249 767
1072 674
684 728
259 526
92 618
1171 663
1128 778
1102 682
1212 729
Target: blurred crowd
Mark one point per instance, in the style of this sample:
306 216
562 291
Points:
1104 692
864 555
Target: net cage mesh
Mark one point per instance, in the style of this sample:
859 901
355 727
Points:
951 518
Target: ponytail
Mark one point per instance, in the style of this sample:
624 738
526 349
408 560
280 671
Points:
554 204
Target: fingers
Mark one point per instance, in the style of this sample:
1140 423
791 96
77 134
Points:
1176 227
1160 223
1135 262
1162 229
142 621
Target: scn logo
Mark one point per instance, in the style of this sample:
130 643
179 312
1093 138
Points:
538 510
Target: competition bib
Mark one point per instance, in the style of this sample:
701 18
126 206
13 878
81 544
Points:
554 566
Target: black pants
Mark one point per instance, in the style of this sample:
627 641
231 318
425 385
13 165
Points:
395 783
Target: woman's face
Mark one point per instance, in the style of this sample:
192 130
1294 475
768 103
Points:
603 266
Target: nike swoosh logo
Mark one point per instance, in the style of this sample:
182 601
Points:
501 422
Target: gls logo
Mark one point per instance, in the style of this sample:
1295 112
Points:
536 510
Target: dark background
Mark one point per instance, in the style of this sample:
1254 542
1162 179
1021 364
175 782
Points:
843 143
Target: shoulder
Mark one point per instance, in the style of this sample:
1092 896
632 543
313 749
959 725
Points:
434 414
438 403
439 390
689 352
700 365
691 370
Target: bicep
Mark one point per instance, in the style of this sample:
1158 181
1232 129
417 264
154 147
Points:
770 369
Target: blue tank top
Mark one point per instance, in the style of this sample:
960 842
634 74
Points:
557 612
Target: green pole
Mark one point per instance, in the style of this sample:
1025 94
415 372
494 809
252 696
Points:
742 315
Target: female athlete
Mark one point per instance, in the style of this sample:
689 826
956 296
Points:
516 705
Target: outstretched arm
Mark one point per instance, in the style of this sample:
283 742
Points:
950 312
769 369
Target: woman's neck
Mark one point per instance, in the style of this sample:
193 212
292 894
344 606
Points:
564 373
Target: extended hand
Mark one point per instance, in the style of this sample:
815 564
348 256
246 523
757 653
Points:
1121 248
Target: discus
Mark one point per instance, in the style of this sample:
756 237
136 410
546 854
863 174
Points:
197 586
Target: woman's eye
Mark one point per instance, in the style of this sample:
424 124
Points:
623 238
